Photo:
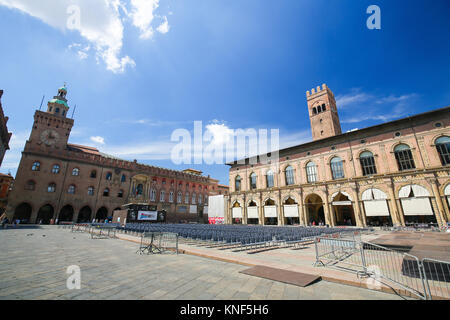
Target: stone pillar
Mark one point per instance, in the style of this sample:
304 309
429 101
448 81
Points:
359 213
440 215
328 211
396 211
301 208
34 214
261 215
281 215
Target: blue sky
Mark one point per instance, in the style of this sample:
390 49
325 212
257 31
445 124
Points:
139 69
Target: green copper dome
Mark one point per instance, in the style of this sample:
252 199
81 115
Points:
59 102
63 89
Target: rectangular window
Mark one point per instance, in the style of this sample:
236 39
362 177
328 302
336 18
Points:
368 166
270 181
404 160
311 174
337 170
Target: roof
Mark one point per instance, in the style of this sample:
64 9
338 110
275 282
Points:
6 175
59 102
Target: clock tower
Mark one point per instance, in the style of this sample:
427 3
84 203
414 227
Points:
51 129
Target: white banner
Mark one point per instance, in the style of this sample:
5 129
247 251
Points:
148 215
376 208
417 207
270 212
216 206
193 208
290 210
252 212
237 212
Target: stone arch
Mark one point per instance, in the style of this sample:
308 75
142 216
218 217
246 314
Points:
23 212
85 214
102 213
397 143
342 208
66 213
45 214
314 207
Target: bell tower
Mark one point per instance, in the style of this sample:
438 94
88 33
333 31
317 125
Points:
51 129
323 113
58 105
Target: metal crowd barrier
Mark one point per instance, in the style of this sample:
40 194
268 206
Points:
158 242
426 279
102 232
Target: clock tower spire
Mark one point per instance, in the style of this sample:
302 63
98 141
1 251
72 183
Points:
51 129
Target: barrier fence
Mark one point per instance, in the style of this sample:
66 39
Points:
158 242
426 279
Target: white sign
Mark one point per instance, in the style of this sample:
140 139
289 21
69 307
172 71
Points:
341 203
193 209
148 215
291 210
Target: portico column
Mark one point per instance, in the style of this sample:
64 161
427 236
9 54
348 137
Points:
329 216
281 211
301 207
397 212
361 220
440 212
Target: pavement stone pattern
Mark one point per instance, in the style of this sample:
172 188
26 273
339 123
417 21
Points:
33 264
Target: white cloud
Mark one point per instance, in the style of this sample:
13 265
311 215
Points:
142 16
99 22
98 139
164 27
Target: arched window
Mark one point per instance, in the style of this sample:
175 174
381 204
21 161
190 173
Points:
337 168
106 192
120 194
289 176
367 163
31 185
139 189
123 178
404 157
109 176
90 191
186 197
324 107
93 174
253 181
194 198
443 148
153 195
76 172
51 188
314 110
269 179
311 172
171 196
55 168
36 166
162 196
179 197
71 189
237 183
200 199
56 110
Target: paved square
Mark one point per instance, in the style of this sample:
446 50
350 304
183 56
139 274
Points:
33 264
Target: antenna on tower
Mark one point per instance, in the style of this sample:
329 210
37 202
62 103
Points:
74 108
42 101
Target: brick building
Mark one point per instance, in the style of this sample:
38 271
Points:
5 136
393 173
58 180
6 183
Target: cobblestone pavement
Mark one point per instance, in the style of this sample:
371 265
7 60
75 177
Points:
33 265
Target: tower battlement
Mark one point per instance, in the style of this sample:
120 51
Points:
314 92
323 112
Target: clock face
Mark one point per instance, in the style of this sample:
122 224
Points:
49 137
